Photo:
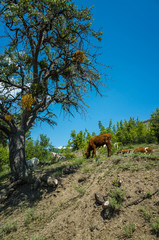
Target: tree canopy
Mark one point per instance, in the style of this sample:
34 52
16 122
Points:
48 60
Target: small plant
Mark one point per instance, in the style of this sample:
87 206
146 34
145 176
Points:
35 237
129 229
117 160
148 167
146 213
115 205
149 194
135 168
155 226
117 197
69 155
57 173
86 170
80 190
126 166
116 183
30 216
9 227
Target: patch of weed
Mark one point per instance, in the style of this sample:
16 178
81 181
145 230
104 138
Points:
155 226
9 227
30 216
117 197
80 190
35 237
126 166
135 168
129 229
146 213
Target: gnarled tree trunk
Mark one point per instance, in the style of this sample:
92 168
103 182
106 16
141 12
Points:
17 155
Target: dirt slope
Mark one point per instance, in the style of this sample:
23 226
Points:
70 212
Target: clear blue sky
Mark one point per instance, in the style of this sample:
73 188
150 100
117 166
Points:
131 47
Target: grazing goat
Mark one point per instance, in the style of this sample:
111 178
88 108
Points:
98 141
123 151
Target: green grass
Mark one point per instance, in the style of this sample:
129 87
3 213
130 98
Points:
155 226
117 198
30 216
35 237
125 166
135 168
147 214
129 229
79 190
5 173
8 228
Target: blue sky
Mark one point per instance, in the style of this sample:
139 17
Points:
131 47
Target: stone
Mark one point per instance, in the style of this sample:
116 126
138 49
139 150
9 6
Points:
99 198
52 182
105 204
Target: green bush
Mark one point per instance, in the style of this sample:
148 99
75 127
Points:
155 226
129 229
117 197
4 156
39 149
9 227
147 214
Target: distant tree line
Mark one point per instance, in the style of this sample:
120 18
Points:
125 132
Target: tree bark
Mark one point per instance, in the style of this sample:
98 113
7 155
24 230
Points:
17 155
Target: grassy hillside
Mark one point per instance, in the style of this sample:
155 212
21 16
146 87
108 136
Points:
71 212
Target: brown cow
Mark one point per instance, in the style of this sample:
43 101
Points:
123 151
146 150
98 141
142 150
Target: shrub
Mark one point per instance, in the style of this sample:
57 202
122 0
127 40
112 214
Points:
155 226
35 237
4 156
129 229
117 197
146 213
9 227
30 216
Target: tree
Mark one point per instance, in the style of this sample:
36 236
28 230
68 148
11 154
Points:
154 123
49 60
40 149
78 140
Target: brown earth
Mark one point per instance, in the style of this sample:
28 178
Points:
70 212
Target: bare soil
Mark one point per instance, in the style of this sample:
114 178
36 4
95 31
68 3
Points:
70 212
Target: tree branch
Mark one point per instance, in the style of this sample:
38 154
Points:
5 130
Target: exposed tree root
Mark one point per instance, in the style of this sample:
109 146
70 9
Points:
141 199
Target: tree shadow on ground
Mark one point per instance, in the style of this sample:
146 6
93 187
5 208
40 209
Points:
25 195
108 213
